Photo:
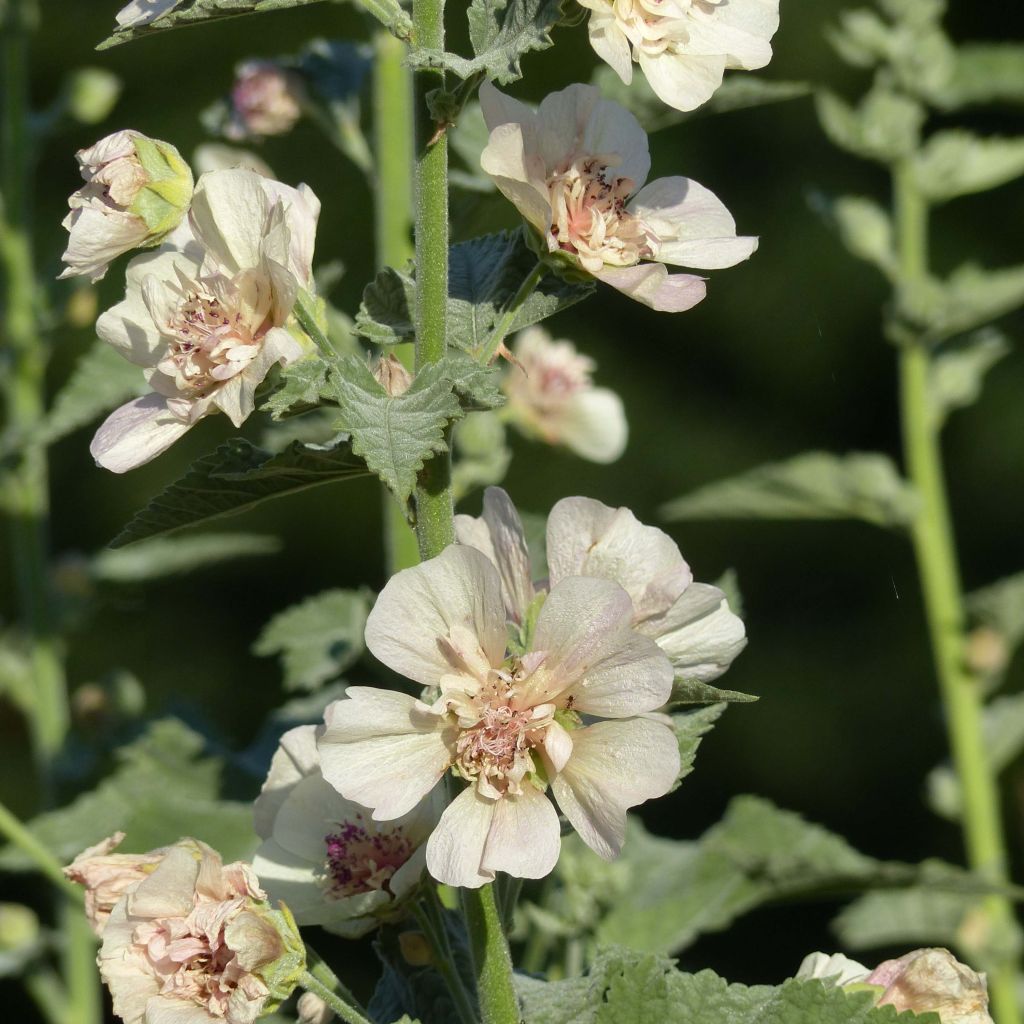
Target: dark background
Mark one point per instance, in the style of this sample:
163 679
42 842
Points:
784 355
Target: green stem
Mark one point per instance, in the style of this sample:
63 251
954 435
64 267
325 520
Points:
333 998
43 984
304 312
390 14
18 835
491 958
940 582
79 963
393 218
321 972
432 926
504 324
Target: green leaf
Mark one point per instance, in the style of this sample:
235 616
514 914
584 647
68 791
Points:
815 485
970 297
958 371
501 32
483 276
984 73
317 639
867 232
692 691
1000 606
957 163
194 12
237 477
690 728
101 380
163 788
885 127
302 386
171 556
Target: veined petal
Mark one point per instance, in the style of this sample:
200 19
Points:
524 837
312 810
593 425
610 44
293 879
614 766
383 749
499 109
739 29
455 848
229 214
295 758
651 284
683 81
136 433
98 237
612 129
419 607
518 173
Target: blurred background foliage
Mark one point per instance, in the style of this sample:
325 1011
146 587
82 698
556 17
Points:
784 355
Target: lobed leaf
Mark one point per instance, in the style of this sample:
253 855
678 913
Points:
969 298
983 73
815 485
957 163
867 232
690 728
958 371
885 126
302 386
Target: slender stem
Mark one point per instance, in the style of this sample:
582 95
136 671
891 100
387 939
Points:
501 328
45 987
433 929
18 835
79 963
319 969
940 582
393 218
491 958
304 312
390 14
336 1002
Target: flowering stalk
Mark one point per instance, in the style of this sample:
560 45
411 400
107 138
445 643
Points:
940 582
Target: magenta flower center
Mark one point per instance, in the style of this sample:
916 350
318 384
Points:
361 859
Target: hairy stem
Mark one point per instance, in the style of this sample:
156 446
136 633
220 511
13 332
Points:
940 583
508 315
491 958
334 998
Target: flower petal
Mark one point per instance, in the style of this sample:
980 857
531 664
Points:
295 758
740 29
594 426
682 81
610 43
614 766
651 284
135 433
518 173
229 216
524 838
455 848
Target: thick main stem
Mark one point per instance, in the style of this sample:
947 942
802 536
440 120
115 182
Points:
940 582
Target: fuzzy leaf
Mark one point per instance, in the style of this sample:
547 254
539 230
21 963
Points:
885 127
815 485
958 371
866 231
317 639
956 163
171 556
690 728
164 787
235 478
302 385
101 380
984 73
691 691
970 297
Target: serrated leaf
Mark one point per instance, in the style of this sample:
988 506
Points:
692 691
958 371
983 73
483 275
163 788
690 728
395 434
195 12
815 485
501 32
236 477
867 232
171 556
317 639
101 380
957 163
301 386
885 126
969 298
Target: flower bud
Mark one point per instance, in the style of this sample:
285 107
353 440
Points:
136 191
266 99
313 1010
92 94
20 938
393 377
932 980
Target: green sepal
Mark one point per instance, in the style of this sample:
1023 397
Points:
165 198
281 976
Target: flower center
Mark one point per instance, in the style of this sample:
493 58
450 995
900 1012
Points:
362 860
589 216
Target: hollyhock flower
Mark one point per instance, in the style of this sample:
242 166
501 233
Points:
551 396
508 722
207 319
323 855
691 622
107 876
836 969
142 12
683 46
196 941
136 191
575 169
266 99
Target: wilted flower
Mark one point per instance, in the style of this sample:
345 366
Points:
107 876
506 720
266 99
683 46
323 855
195 940
207 320
691 622
575 169
551 396
835 968
136 191
392 376
142 12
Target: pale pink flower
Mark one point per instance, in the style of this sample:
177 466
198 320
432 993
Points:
136 191
683 46
207 316
107 876
507 721
551 396
325 856
691 622
195 941
575 169
933 980
266 99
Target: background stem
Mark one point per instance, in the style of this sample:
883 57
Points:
940 582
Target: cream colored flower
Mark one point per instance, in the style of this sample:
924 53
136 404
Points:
207 319
575 169
551 396
266 99
324 856
136 191
683 46
933 980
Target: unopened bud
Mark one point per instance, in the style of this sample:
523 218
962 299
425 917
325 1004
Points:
415 949
92 94
83 304
266 99
394 378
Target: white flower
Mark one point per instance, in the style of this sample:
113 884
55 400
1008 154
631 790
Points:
215 156
136 191
508 722
266 99
551 396
206 318
323 855
575 169
142 12
683 46
691 622
835 969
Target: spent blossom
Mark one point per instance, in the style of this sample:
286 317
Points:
324 856
266 99
207 317
137 190
682 46
506 720
551 396
576 170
